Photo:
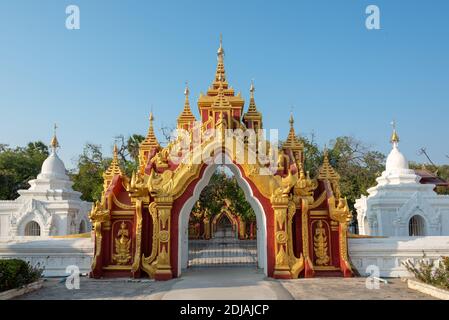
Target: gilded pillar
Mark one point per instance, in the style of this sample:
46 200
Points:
100 217
296 265
281 267
135 268
309 272
163 267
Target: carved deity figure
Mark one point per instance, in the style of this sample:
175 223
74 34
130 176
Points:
122 246
320 245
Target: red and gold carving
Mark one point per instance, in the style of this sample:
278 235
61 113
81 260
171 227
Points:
122 253
296 208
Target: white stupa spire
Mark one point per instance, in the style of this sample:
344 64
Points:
397 170
396 161
53 176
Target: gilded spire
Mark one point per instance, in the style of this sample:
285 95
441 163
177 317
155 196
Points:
327 172
252 102
220 74
54 141
253 115
150 141
292 141
186 116
114 168
394 137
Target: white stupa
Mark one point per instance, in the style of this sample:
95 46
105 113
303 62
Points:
50 207
400 205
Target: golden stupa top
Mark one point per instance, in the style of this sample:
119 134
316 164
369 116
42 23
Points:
394 136
292 141
186 115
54 141
327 172
150 141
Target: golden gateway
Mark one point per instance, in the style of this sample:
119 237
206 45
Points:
138 223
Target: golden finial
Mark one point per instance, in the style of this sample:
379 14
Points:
220 51
150 141
394 136
54 141
115 151
187 91
252 89
292 121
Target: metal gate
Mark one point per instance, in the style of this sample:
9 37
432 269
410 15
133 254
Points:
222 252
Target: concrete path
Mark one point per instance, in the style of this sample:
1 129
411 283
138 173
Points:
225 284
350 289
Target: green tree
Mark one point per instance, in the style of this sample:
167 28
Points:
128 151
91 164
225 186
313 155
18 166
88 175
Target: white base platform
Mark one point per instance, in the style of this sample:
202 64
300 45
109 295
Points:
386 253
389 253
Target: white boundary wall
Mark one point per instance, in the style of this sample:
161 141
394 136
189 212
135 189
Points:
52 253
386 253
389 253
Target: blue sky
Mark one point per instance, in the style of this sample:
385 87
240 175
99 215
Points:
342 79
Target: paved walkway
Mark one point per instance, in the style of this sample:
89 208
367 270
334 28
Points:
224 284
350 289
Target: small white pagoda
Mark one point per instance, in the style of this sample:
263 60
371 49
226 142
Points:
50 207
400 205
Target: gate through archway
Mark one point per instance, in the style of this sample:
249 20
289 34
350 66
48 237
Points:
226 238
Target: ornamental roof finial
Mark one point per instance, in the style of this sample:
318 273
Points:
54 141
394 137
220 74
150 141
186 116
220 51
292 141
252 89
187 91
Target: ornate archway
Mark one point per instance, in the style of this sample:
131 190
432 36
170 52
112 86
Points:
141 222
257 206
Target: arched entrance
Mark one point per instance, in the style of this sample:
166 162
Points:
417 226
183 248
32 229
302 221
